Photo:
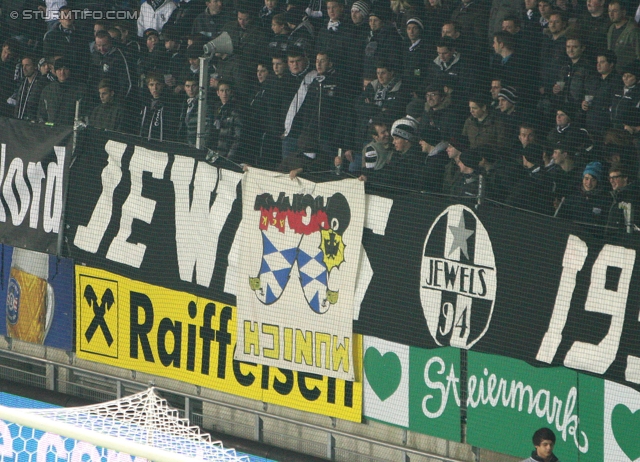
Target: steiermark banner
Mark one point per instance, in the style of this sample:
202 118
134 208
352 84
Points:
506 401
413 388
510 397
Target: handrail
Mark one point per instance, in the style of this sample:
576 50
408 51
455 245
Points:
8 353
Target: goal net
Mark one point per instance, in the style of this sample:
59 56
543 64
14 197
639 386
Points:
138 428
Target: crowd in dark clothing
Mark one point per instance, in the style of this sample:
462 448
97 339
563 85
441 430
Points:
528 103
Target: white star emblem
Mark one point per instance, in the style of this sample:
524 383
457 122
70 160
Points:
460 235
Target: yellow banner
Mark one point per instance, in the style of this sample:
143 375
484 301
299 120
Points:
146 328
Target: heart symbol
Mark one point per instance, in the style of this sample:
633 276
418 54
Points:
384 372
625 425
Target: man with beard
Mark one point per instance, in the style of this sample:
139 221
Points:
28 94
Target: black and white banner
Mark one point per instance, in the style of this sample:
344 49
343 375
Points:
156 213
34 162
500 281
431 273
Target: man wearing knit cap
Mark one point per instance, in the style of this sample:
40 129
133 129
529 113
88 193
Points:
510 115
624 109
568 132
591 203
405 168
360 12
567 172
384 41
415 55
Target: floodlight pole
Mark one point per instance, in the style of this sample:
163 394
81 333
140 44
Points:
203 86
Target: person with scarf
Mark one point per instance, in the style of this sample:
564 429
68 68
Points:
68 41
415 55
384 43
188 125
28 94
337 35
159 115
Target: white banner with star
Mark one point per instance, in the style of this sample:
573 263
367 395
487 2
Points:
301 244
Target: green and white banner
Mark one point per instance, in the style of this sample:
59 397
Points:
506 401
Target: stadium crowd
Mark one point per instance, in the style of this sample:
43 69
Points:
535 102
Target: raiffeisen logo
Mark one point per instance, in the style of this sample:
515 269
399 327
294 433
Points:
458 278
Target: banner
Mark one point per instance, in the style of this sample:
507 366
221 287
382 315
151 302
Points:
37 291
300 249
413 388
34 162
133 325
518 399
154 212
499 281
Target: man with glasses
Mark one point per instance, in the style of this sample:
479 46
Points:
626 199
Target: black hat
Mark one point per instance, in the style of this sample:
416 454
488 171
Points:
170 34
565 145
415 108
150 32
294 16
461 143
568 110
632 68
62 62
417 21
194 52
434 88
471 158
381 11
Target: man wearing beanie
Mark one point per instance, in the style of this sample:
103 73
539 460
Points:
414 55
567 173
360 20
566 131
510 114
625 114
591 203
405 168
360 13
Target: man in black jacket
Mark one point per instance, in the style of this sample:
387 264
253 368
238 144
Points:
159 114
58 99
28 94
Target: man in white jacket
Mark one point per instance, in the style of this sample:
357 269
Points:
154 14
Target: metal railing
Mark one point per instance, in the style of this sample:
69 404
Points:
98 386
